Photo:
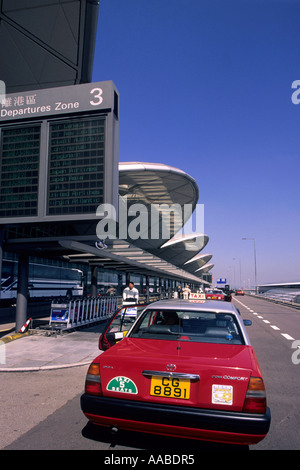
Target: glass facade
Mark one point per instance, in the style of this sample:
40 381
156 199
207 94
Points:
20 152
76 166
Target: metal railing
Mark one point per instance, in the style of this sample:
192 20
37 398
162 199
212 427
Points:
291 300
68 314
295 298
82 311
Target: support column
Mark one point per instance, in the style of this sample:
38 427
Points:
141 285
160 283
120 284
94 281
22 293
147 288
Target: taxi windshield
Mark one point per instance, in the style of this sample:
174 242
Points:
193 326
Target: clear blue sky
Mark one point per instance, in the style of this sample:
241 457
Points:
205 86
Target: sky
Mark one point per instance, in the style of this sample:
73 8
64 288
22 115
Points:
206 86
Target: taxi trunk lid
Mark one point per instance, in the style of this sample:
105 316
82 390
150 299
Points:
206 375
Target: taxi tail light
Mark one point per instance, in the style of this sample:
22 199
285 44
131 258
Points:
255 401
93 380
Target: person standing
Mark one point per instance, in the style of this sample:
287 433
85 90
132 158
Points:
130 294
186 292
179 290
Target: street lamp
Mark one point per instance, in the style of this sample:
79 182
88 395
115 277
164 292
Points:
254 261
231 275
240 270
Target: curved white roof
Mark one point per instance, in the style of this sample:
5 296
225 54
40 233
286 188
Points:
156 183
206 268
191 241
197 262
200 258
147 184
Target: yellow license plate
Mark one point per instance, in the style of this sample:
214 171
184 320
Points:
170 387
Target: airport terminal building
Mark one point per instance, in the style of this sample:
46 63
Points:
60 172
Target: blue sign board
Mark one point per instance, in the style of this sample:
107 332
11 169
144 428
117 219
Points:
59 313
222 280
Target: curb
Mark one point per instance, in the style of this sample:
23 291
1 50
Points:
9 338
41 368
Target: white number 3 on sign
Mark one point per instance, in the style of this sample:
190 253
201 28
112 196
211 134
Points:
97 96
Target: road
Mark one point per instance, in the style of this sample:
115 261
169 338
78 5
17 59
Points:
274 329
41 410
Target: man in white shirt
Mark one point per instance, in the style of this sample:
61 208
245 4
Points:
186 292
130 294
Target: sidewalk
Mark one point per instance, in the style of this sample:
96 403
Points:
34 352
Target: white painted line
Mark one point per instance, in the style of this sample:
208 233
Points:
242 303
286 336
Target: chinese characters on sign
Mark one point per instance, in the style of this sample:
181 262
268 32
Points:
18 100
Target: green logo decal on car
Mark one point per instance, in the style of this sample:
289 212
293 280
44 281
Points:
122 384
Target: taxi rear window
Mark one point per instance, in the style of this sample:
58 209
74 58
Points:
194 326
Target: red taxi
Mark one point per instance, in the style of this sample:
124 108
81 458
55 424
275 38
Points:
239 292
184 369
215 294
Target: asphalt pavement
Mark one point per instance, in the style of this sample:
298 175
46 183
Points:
39 350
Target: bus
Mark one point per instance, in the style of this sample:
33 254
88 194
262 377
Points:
45 281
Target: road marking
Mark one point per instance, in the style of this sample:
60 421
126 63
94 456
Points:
242 304
286 336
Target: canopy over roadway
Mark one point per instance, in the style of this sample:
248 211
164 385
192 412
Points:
47 43
146 184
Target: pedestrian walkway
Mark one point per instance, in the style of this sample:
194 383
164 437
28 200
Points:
34 352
